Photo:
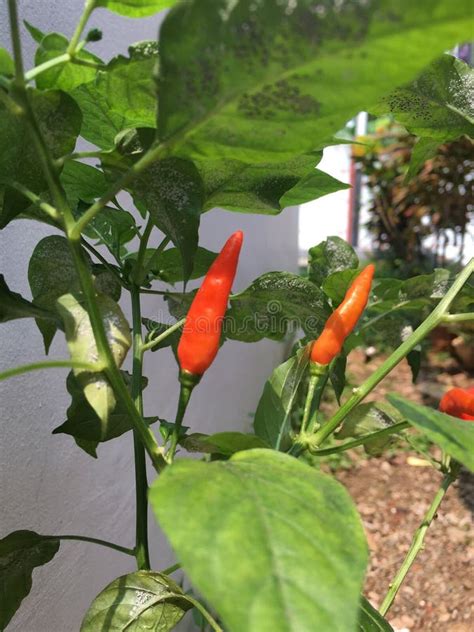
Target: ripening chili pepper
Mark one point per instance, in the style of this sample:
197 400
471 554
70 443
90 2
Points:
458 402
343 320
199 342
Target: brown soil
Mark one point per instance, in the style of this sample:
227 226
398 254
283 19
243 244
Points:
393 494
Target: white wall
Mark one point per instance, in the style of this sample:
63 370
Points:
46 483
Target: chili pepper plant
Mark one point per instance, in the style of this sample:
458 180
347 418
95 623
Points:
231 107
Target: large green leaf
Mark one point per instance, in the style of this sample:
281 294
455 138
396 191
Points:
279 547
83 348
455 436
63 76
264 188
51 273
122 96
144 600
83 423
330 256
136 8
59 120
82 182
168 267
257 81
370 620
279 393
13 305
439 104
272 303
172 191
20 553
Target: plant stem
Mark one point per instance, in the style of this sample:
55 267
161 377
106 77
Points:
47 65
313 381
49 364
207 615
415 338
171 569
83 538
401 425
141 482
77 155
458 318
165 334
88 8
417 543
36 200
138 268
184 395
159 292
104 261
16 43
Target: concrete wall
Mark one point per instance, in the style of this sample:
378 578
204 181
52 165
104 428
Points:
46 483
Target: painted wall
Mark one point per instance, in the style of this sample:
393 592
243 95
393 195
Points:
46 483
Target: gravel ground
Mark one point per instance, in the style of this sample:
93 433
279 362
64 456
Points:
393 494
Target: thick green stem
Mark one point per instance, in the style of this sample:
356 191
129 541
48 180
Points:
138 268
83 538
50 364
458 318
141 482
88 8
417 543
313 381
415 338
185 391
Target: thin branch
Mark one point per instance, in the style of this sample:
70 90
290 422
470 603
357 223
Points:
50 364
163 336
83 538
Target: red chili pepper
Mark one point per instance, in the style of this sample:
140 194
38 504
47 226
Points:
343 320
199 342
458 402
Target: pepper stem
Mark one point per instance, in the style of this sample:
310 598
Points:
188 382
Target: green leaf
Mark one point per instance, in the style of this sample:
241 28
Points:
336 285
59 120
82 182
370 620
13 305
144 600
337 375
122 96
136 8
155 328
455 436
367 418
272 80
272 303
51 273
83 348
82 422
35 33
438 104
112 227
331 255
167 265
283 537
7 66
225 443
63 76
423 150
278 397
173 193
414 362
20 553
106 282
264 188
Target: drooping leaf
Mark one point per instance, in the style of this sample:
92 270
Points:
271 420
168 267
7 66
455 436
291 545
424 149
367 418
272 81
51 273
121 96
82 422
264 188
225 443
439 104
330 256
136 8
370 620
59 120
20 553
271 304
143 600
13 306
83 348
414 362
172 191
337 375
63 76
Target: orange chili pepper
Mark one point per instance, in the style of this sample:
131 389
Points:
199 342
458 402
343 320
